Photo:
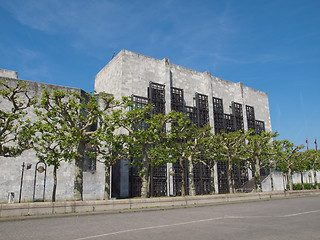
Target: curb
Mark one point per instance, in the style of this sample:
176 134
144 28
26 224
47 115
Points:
49 209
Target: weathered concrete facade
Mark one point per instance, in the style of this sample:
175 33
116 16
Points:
130 73
11 168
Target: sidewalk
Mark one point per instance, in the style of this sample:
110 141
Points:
48 208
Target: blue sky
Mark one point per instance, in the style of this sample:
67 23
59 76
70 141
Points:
272 46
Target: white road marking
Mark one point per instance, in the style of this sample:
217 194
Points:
296 214
191 222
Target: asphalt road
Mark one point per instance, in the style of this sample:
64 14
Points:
290 218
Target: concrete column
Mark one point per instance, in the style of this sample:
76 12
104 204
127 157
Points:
167 80
167 75
209 80
207 76
244 112
216 185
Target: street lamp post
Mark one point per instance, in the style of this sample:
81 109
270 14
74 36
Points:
22 173
171 174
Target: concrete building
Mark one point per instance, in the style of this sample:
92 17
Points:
225 105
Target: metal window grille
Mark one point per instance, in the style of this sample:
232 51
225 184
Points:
250 117
158 185
177 178
259 126
201 178
177 100
229 123
156 95
159 181
202 109
191 113
139 102
223 184
134 178
239 175
218 115
238 116
135 182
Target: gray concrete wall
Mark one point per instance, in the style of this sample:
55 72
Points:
259 100
8 73
11 168
279 181
110 77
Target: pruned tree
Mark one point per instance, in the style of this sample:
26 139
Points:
52 147
313 158
286 157
184 143
258 154
302 163
69 117
15 130
198 151
231 148
211 152
145 134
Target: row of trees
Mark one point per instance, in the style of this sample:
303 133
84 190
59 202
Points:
70 126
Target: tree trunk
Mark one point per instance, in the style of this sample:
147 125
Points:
145 175
315 178
271 180
290 179
54 190
78 178
231 187
183 182
107 182
257 179
301 177
212 186
192 187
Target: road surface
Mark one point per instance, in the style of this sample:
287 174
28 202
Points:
290 218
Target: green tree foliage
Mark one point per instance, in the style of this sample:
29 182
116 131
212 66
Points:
15 130
212 155
258 153
302 163
51 146
198 151
110 149
177 138
109 143
231 148
313 159
187 143
286 157
69 117
146 133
